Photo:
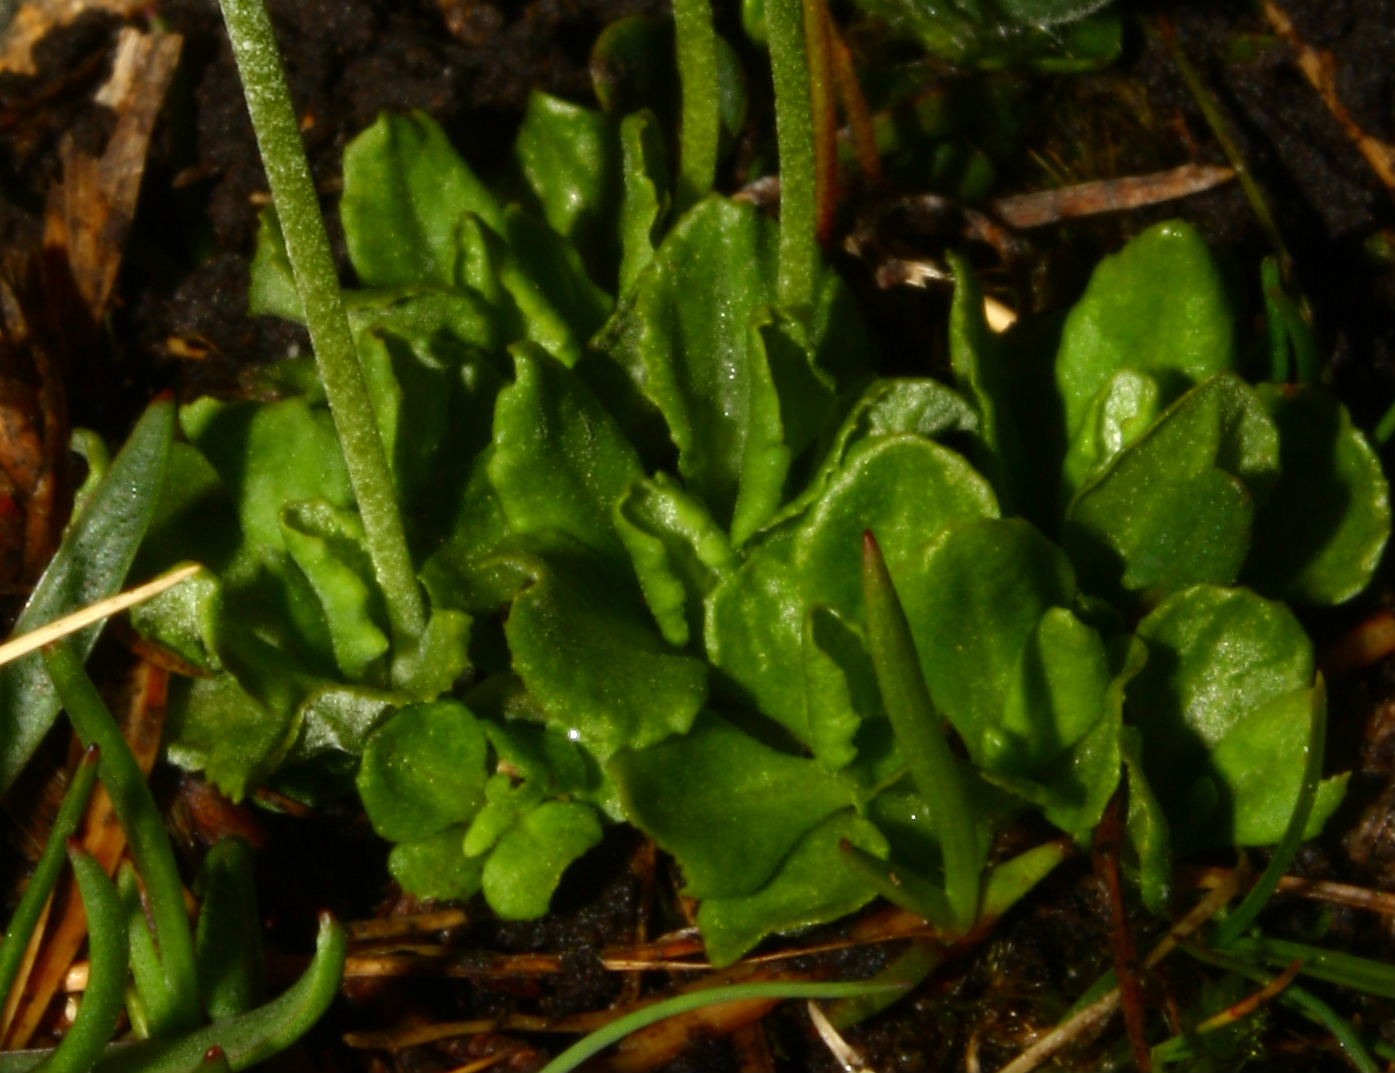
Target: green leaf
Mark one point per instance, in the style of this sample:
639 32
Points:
559 461
1178 334
678 552
982 372
585 647
251 1037
100 1010
423 770
1123 410
405 192
327 543
1225 698
1176 508
728 808
977 595
272 291
811 887
216 727
644 201
90 564
1320 535
686 340
1147 828
903 488
436 866
569 157
543 273
268 455
527 863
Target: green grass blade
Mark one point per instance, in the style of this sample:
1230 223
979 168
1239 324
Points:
89 566
31 905
697 68
100 1009
916 725
618 1029
145 829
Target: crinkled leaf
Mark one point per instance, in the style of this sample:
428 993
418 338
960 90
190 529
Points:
215 726
840 686
678 552
645 199
423 770
686 340
90 564
543 273
1176 508
559 461
1320 534
905 489
586 649
1147 828
436 867
811 887
405 193
728 808
335 716
527 864
327 543
1179 333
430 663
1227 681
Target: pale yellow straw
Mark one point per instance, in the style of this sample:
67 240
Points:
69 624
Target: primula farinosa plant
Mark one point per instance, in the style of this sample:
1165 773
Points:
634 453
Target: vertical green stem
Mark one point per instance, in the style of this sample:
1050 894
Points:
697 67
307 248
794 133
145 829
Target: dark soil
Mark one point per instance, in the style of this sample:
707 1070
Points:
471 64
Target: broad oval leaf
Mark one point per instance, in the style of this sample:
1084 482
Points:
423 770
1320 534
1176 508
1179 334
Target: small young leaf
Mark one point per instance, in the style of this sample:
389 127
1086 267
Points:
423 770
436 866
528 861
228 939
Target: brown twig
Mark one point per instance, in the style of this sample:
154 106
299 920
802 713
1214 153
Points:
1044 207
1320 69
1109 836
